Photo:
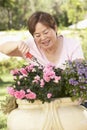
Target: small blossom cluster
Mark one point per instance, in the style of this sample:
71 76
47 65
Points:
36 83
21 94
76 79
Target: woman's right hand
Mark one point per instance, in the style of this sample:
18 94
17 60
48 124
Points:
23 48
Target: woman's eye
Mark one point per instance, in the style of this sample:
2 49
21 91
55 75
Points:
37 35
46 32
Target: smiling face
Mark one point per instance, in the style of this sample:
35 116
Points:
44 36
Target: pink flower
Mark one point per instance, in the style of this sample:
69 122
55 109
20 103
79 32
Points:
49 95
23 71
31 95
28 90
21 76
46 78
35 81
11 90
57 78
18 82
42 83
37 77
48 74
14 72
52 74
49 66
19 94
30 68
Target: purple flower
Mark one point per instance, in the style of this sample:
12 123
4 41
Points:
82 87
73 82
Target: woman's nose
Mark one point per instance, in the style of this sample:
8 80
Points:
43 37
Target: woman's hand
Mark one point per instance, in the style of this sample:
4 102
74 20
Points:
23 48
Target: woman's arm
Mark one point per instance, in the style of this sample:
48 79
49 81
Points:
18 48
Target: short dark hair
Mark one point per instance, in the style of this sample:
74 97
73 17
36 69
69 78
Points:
42 17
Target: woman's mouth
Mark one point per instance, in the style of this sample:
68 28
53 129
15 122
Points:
46 43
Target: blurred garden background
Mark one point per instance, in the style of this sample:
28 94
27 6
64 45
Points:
71 18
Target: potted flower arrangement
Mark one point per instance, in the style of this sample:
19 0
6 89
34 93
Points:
46 84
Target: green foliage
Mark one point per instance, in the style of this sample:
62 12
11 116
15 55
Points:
3 125
75 10
4 20
6 81
8 105
17 12
6 3
9 64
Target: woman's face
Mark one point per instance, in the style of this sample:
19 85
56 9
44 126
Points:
45 37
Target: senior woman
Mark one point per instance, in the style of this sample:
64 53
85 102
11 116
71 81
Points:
46 45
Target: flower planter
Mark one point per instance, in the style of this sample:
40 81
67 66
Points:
60 114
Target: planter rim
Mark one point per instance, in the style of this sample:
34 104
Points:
61 101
